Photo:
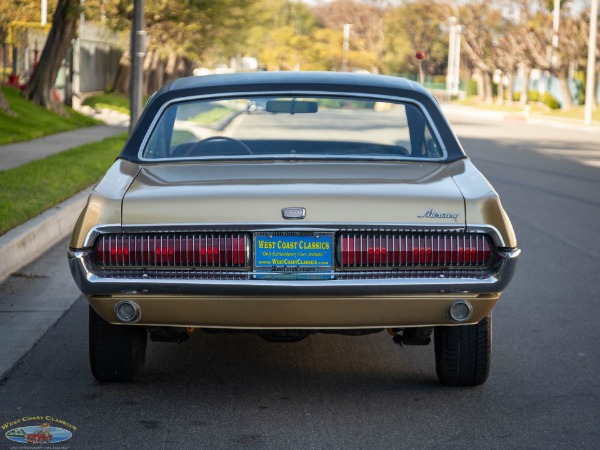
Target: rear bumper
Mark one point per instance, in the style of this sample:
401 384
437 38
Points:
312 312
345 300
245 284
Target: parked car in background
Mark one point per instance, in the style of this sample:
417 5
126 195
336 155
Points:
286 204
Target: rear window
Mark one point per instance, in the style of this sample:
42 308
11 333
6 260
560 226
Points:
292 127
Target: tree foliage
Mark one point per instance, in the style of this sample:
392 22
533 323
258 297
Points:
500 37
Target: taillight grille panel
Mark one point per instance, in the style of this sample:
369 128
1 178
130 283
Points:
413 250
356 250
194 250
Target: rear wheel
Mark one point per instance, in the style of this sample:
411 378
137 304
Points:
117 352
463 353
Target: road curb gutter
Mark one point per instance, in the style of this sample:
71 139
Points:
23 244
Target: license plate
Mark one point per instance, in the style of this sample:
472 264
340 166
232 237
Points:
293 252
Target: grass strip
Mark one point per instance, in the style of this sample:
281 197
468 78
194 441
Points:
212 115
31 121
114 101
32 188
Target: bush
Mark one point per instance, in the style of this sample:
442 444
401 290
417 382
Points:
516 97
534 96
550 101
471 88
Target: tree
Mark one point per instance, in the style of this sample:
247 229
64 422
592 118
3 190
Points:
367 32
64 27
180 35
482 25
417 26
4 106
572 43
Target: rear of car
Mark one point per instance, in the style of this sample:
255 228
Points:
288 204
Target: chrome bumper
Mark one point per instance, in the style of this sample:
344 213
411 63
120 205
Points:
338 284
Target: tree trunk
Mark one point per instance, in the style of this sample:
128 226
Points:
123 75
4 106
509 88
500 98
41 84
567 100
525 86
487 83
480 85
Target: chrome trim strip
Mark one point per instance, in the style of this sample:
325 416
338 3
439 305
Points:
326 227
91 284
229 95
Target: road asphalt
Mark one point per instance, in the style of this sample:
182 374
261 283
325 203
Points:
26 243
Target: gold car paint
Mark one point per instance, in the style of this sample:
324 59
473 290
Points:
276 312
255 193
104 203
482 203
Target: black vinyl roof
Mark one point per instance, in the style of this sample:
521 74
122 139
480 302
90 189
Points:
255 83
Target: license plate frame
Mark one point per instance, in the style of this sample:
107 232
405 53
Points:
293 253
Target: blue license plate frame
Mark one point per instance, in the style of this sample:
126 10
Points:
293 252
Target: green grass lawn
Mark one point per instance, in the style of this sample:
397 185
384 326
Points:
32 121
114 101
30 189
212 115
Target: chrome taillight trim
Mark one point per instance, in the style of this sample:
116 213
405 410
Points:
92 282
491 231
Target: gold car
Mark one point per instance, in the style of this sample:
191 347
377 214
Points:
286 204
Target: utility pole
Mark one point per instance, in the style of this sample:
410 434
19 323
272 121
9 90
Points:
453 74
346 46
590 85
44 18
137 52
555 24
451 49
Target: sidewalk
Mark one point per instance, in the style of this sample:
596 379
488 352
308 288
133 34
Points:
14 155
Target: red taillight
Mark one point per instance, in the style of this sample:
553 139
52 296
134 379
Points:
197 250
410 250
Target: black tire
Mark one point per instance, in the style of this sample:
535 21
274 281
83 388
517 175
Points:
117 352
463 353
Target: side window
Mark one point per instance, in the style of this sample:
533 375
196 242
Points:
423 143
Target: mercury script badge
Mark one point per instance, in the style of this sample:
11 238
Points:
433 214
293 213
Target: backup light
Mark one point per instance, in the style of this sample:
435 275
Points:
128 311
460 311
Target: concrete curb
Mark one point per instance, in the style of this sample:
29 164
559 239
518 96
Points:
23 244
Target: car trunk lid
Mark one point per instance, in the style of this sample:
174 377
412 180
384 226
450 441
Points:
331 193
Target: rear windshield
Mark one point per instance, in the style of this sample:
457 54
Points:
292 127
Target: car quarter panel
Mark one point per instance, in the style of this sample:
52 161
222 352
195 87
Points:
482 203
104 203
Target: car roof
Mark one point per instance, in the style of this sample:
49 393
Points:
261 83
294 80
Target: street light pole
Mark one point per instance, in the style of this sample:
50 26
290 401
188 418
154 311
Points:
346 46
590 85
137 52
555 24
451 61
